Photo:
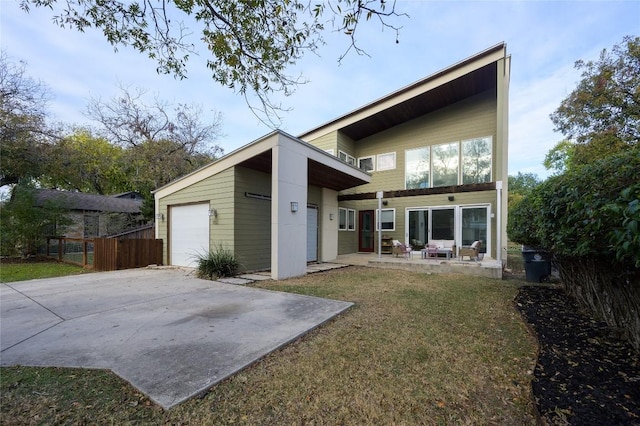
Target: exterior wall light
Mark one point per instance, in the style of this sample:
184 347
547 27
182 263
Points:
213 213
160 216
294 206
451 198
331 216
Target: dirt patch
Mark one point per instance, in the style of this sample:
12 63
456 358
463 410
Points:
584 375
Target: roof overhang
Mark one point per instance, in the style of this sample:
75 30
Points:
467 78
324 170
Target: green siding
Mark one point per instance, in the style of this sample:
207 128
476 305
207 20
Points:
218 191
327 142
474 117
253 219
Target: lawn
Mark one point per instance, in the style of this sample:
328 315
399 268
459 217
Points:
20 271
415 349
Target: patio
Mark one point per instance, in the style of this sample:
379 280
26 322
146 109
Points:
489 268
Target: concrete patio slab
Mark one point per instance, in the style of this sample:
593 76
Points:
167 332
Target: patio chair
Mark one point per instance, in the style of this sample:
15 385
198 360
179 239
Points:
472 251
401 249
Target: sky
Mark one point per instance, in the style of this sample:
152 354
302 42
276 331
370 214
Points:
544 38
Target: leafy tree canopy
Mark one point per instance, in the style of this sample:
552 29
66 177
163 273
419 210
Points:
251 42
602 115
23 131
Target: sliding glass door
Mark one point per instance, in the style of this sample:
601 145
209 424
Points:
474 226
464 224
431 224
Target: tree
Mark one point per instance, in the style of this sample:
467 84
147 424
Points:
23 226
127 120
521 186
84 163
251 42
602 115
23 132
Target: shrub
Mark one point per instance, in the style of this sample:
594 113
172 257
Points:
589 218
219 262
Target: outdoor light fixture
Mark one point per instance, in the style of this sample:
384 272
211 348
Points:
385 202
160 216
451 198
331 216
213 213
294 206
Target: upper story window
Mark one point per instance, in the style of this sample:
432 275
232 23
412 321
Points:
349 159
366 163
476 160
387 161
454 163
417 168
445 163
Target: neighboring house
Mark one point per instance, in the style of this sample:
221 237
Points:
436 151
94 215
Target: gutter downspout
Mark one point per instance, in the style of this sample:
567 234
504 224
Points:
499 221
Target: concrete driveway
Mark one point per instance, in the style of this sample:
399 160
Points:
169 334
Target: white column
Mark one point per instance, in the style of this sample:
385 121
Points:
288 228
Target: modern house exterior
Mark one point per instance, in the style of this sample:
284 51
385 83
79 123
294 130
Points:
432 155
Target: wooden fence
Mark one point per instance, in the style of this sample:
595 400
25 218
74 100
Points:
106 254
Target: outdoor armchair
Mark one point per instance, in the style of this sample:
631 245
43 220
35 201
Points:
472 251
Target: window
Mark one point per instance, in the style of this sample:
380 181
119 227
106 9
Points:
387 161
417 168
351 220
366 163
349 159
476 160
387 219
346 219
445 164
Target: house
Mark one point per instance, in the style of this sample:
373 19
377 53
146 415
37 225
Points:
94 215
432 155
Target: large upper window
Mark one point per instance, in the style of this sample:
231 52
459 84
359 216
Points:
453 163
476 160
445 164
417 168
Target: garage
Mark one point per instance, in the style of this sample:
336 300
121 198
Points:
189 235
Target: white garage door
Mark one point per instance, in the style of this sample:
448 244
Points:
189 233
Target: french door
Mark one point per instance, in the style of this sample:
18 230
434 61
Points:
366 231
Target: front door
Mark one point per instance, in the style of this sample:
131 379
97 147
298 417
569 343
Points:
366 231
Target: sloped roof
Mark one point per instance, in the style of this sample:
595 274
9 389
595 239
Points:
87 202
459 81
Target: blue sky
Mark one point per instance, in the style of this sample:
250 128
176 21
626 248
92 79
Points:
545 38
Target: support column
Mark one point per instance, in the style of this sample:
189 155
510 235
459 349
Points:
288 227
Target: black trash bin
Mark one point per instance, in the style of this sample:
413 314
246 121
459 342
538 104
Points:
537 265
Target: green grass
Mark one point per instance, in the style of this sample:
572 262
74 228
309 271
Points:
10 272
415 349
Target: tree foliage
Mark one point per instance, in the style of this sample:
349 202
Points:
602 115
23 131
251 42
23 226
520 186
607 99
591 211
84 163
